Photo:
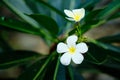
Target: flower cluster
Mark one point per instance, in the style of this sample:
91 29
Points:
71 50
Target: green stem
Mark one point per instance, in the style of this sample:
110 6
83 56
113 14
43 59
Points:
57 67
79 33
78 27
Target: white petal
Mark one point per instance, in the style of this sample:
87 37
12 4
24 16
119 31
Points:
77 58
69 13
71 40
82 47
62 47
71 19
80 12
65 59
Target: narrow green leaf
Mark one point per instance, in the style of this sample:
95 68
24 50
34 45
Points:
51 7
107 46
89 17
73 74
56 69
96 54
21 5
27 19
18 25
89 5
47 22
111 7
115 64
16 58
109 70
93 24
114 16
86 66
34 7
112 51
99 16
61 74
70 73
77 75
35 71
110 39
51 70
21 14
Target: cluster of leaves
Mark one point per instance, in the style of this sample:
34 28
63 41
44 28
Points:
47 20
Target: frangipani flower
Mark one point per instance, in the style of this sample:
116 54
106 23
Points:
75 15
71 50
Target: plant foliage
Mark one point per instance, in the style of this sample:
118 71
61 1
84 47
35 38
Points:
45 18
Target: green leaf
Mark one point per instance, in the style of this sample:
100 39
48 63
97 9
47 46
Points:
107 67
110 67
88 5
114 16
107 11
18 25
99 16
26 18
51 7
51 70
112 51
34 71
93 24
85 27
34 7
86 66
109 70
17 11
115 64
21 5
57 69
107 46
89 17
61 74
16 58
72 74
110 39
37 69
77 76
47 22
96 54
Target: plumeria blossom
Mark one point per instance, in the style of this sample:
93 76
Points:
71 50
75 15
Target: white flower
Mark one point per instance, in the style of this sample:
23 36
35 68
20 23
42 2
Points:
75 15
72 50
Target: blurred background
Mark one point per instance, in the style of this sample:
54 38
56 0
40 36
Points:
23 41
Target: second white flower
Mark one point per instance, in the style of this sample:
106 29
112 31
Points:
71 50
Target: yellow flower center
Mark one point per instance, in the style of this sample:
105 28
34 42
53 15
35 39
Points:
77 17
72 50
